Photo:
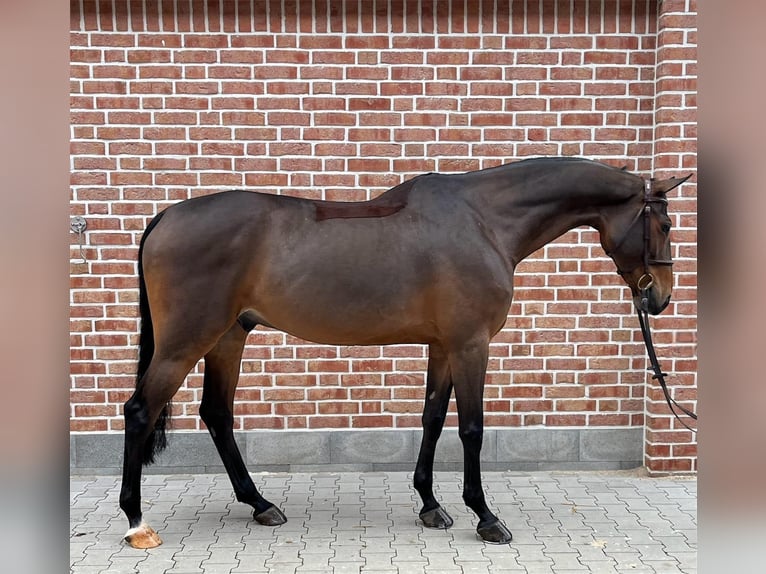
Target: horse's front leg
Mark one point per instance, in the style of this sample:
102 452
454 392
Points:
438 391
468 367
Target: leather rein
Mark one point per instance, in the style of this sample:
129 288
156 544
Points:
644 284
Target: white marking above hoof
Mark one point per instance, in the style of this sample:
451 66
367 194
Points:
142 536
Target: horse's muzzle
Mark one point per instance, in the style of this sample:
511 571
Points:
651 301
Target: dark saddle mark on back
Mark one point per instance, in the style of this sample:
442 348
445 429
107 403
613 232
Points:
390 202
352 209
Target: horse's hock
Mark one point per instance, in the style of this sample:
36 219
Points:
342 105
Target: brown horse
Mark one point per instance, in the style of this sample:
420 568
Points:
430 261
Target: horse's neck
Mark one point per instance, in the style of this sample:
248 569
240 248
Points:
528 211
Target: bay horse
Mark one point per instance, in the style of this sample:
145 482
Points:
430 261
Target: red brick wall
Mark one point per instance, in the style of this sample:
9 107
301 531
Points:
669 446
342 100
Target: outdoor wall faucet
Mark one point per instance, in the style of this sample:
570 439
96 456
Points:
78 225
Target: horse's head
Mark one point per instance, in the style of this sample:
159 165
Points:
637 238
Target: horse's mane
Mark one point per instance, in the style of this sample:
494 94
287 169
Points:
526 162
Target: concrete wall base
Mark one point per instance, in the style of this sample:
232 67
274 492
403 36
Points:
372 450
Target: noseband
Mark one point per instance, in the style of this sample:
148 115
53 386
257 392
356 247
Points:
643 284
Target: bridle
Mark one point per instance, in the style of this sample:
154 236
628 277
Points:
647 279
643 284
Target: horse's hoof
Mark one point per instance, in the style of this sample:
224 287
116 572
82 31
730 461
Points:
495 533
143 536
436 518
272 516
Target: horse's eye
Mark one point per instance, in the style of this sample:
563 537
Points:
666 228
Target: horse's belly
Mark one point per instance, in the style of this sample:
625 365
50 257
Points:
334 325
331 309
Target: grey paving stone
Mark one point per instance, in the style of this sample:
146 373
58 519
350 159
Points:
92 569
600 567
378 555
557 544
562 522
663 566
689 534
408 553
124 566
651 552
96 557
194 548
565 560
677 545
348 553
635 536
686 560
222 555
539 567
187 565
441 560
252 562
532 553
593 552
219 567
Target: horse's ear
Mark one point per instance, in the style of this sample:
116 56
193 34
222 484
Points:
665 185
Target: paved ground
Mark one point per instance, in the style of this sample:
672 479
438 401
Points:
351 522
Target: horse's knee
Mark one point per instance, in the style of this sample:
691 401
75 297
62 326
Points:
472 435
433 423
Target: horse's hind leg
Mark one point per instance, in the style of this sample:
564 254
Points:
438 391
221 375
180 339
142 410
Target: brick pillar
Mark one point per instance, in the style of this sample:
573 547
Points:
669 446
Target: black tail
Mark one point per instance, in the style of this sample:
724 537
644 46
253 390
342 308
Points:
157 440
